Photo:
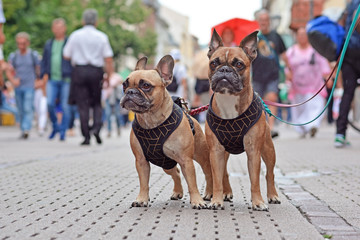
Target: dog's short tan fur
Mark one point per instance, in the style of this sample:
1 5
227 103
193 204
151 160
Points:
153 105
232 96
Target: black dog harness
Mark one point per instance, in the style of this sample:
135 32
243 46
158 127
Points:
152 140
231 132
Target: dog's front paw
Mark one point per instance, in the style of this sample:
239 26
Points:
140 203
228 197
274 200
198 203
261 206
176 196
215 205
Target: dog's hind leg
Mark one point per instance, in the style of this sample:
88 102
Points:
269 157
178 189
227 191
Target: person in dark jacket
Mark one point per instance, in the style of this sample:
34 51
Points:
350 73
56 71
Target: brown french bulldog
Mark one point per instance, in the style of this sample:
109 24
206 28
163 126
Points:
161 133
236 121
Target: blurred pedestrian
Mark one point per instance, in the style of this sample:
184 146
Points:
266 66
228 37
178 86
202 86
8 103
307 70
40 107
2 40
56 71
350 73
23 72
89 50
112 93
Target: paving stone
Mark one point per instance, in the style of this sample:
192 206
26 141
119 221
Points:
64 191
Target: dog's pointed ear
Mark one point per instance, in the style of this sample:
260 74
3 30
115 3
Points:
141 63
215 43
249 45
165 69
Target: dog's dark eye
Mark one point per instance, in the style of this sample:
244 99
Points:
146 86
240 65
126 84
213 65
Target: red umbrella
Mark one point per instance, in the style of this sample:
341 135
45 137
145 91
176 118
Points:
240 27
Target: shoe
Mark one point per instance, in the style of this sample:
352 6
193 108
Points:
62 136
340 141
274 134
85 142
24 135
313 132
118 132
53 133
98 139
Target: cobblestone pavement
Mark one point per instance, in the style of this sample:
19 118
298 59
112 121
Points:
60 190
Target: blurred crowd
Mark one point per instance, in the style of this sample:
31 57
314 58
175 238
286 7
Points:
73 78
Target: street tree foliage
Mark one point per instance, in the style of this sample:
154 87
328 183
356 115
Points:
119 19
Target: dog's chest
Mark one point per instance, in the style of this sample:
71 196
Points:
231 132
227 105
152 140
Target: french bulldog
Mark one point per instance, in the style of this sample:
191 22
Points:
236 121
162 133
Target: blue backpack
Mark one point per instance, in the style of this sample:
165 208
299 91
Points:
326 37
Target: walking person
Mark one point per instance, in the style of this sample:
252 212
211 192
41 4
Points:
112 94
56 72
178 87
202 86
90 51
266 66
307 70
23 72
40 109
2 62
350 73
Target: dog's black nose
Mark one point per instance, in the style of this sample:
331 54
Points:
132 91
225 69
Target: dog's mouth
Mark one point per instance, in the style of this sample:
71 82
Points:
135 104
223 83
225 79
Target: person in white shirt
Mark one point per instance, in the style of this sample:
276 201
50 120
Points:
180 76
90 53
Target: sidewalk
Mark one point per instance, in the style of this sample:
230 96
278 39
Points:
60 190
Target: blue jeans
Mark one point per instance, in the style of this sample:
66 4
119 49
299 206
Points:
25 104
5 107
58 90
73 115
109 109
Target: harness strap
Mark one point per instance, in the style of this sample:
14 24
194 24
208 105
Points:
231 132
152 140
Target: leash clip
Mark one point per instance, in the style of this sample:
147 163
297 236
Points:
184 105
181 103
